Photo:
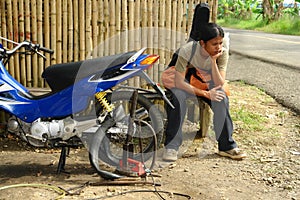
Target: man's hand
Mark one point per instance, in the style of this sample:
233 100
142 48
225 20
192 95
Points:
216 94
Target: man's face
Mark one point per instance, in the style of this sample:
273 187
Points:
213 46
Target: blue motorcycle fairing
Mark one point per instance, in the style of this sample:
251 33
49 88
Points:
15 99
61 76
5 77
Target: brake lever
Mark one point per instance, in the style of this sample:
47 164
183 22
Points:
40 54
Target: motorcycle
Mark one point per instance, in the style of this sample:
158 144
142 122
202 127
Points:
87 105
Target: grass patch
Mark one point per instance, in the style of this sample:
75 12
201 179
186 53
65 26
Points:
288 25
248 120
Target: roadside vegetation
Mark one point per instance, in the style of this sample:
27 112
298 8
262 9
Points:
271 16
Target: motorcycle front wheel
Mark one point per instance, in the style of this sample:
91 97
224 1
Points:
146 132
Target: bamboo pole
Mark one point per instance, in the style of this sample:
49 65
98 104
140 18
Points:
81 30
144 22
16 38
95 30
28 66
65 31
137 32
88 28
124 44
144 34
34 40
150 25
10 35
53 30
101 28
70 31
40 67
3 25
3 33
162 36
59 32
22 38
155 39
190 16
214 9
184 20
169 51
112 26
47 32
118 26
178 24
106 27
132 81
76 30
174 24
131 17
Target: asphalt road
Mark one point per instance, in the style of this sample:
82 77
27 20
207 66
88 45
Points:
268 61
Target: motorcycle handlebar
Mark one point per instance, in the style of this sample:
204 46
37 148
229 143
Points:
46 50
30 46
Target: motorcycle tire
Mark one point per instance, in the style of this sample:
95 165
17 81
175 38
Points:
110 149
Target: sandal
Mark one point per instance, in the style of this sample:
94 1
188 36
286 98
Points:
235 154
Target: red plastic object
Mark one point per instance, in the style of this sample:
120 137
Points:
133 166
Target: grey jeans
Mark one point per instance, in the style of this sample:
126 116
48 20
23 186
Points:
223 126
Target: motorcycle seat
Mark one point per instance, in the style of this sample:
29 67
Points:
61 76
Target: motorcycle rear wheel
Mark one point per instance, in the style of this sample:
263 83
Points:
147 133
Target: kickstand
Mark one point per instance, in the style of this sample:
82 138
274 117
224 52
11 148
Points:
62 159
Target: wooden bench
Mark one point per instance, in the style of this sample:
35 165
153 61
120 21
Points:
197 111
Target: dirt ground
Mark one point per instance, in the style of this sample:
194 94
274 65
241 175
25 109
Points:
271 171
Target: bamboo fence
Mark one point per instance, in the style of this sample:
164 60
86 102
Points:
82 29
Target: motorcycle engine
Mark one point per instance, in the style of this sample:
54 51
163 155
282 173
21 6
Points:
38 132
